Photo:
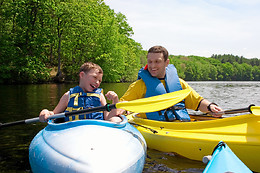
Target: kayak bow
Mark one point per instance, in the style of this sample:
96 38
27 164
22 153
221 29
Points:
224 160
88 146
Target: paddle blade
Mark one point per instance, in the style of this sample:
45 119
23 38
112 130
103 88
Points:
156 103
255 110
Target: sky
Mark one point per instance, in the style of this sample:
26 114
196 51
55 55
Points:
194 27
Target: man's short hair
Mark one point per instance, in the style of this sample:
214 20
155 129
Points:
159 49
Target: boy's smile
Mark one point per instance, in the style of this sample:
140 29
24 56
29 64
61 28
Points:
91 80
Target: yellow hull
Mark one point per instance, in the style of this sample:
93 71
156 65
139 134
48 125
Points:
196 139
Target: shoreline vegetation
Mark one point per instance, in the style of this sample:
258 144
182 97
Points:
47 41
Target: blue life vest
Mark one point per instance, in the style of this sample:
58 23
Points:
81 100
155 87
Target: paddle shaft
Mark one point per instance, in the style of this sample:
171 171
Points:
232 111
150 104
107 107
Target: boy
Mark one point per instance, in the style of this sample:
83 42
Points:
85 95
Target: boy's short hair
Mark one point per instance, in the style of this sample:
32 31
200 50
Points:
87 66
159 49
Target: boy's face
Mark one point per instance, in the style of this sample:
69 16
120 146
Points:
91 80
156 64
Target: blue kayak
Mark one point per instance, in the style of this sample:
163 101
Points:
88 146
224 160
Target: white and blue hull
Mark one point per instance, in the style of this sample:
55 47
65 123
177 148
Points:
88 146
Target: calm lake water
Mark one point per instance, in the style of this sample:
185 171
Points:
19 102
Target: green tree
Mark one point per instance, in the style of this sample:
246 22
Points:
227 71
21 37
37 36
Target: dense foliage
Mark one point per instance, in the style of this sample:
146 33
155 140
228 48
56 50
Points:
217 68
39 37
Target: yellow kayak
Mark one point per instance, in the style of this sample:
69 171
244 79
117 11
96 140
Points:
197 138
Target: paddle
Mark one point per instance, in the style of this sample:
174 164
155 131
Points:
255 110
251 108
150 104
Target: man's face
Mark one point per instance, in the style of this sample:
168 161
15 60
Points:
156 64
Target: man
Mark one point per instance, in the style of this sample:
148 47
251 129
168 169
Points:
160 77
